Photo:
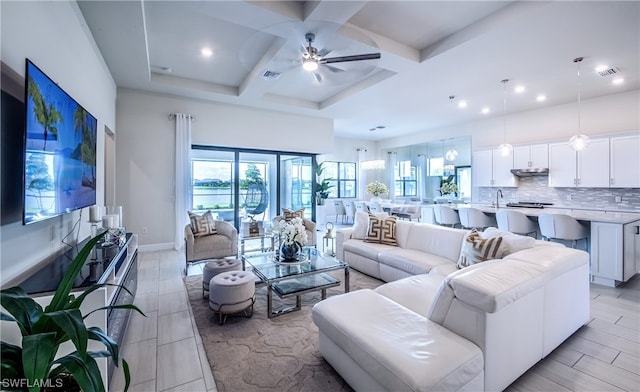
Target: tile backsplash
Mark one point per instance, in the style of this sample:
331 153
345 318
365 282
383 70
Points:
536 189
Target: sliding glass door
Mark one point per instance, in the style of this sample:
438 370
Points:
296 183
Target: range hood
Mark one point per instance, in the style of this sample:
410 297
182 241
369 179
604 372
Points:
530 172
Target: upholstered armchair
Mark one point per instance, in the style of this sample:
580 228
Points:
310 228
214 246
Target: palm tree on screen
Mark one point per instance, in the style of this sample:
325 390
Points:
46 114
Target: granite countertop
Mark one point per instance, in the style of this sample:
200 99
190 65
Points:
579 214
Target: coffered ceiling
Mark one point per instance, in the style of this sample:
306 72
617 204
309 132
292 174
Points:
430 50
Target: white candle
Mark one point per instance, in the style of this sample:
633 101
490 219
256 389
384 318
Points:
108 221
94 214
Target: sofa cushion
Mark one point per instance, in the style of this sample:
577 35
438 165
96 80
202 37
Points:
365 249
412 261
511 242
401 350
202 225
382 230
415 293
437 240
476 249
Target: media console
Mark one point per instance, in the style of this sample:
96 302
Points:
111 264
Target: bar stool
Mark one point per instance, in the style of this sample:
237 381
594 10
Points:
473 218
564 228
446 216
516 222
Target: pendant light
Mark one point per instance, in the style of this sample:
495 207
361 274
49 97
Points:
580 141
451 154
505 148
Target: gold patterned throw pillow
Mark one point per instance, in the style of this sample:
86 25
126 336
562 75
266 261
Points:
476 249
202 225
382 230
288 214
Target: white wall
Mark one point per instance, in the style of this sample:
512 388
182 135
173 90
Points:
54 36
145 145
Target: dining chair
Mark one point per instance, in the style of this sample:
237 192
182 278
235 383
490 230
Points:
340 210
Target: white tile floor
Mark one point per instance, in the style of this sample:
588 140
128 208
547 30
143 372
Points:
164 349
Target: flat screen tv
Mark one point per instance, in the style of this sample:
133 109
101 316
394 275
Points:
60 150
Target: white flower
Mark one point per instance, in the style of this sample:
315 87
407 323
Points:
292 231
377 188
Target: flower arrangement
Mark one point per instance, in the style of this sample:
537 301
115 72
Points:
448 188
292 232
377 188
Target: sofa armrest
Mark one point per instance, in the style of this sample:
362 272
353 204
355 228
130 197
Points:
341 236
188 236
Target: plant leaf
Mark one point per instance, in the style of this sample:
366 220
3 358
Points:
6 317
61 296
84 371
98 334
68 325
37 352
11 364
124 306
127 375
23 308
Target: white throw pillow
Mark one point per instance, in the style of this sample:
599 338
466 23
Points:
361 224
512 243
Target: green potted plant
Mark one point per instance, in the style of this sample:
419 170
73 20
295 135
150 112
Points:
322 187
33 365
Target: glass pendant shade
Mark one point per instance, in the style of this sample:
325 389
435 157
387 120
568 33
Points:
505 149
451 155
579 142
310 64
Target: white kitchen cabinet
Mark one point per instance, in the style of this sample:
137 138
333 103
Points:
492 169
624 162
615 252
529 157
585 169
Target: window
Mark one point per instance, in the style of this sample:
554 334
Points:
406 183
343 178
212 184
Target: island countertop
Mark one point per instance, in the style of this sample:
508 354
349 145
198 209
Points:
582 215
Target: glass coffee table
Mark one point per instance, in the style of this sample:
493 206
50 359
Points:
288 279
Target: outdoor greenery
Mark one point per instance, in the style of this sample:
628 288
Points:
33 364
46 114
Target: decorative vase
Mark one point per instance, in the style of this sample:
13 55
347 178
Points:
290 252
376 199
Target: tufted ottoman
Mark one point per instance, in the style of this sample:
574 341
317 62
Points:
232 292
215 267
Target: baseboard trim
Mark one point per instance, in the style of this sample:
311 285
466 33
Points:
155 247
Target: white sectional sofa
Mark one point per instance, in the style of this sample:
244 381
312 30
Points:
435 327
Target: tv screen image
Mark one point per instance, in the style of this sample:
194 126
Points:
60 150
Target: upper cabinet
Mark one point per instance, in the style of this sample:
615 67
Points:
492 169
585 169
529 157
625 162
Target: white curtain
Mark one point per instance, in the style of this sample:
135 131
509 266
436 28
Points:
391 174
422 177
183 176
361 175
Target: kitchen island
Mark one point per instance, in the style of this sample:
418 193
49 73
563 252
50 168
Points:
614 241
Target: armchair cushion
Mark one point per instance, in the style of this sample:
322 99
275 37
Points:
202 225
288 214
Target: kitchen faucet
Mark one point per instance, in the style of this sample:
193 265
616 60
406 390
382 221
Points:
498 193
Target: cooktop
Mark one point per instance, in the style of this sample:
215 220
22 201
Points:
528 204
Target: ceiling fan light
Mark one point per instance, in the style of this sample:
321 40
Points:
505 149
451 155
579 142
310 64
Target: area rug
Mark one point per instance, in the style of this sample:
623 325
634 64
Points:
262 354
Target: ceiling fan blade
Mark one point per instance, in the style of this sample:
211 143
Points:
318 77
357 57
332 68
323 52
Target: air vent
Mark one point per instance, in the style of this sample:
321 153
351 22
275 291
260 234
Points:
609 71
270 75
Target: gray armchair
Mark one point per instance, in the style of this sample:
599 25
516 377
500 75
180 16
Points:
216 246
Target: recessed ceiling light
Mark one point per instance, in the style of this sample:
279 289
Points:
601 68
541 98
618 81
462 104
519 89
206 52
485 110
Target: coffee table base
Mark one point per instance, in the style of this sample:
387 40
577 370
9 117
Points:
297 287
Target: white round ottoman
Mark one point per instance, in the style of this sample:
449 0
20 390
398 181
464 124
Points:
232 292
215 267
